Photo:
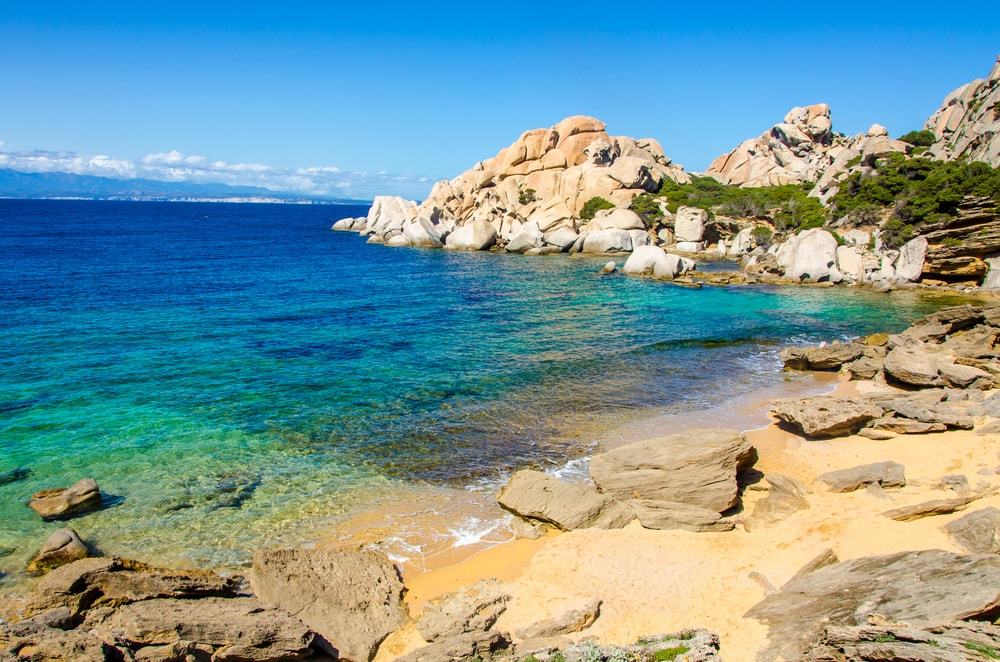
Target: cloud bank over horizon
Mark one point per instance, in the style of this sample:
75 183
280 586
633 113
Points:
174 166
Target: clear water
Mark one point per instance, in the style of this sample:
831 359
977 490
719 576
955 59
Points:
238 375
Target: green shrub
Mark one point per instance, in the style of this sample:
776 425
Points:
855 161
648 209
527 196
670 653
918 191
762 235
792 201
840 240
594 205
984 650
922 138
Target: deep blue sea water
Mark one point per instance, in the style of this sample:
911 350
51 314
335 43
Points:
233 374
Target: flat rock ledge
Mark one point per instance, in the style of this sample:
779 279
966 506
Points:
310 604
924 589
687 481
953 348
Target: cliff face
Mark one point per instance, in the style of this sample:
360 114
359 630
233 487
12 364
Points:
547 175
802 148
967 125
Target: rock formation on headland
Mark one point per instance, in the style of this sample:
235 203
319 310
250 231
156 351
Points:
531 195
968 123
799 203
802 148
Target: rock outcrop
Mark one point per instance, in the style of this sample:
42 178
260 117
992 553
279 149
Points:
351 597
538 496
697 468
951 587
681 481
967 125
978 532
822 417
956 347
802 148
883 474
118 609
881 639
531 194
62 547
58 503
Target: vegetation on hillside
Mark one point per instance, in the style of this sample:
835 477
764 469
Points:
789 206
923 138
917 191
594 205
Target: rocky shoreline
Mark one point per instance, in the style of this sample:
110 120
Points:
935 379
800 203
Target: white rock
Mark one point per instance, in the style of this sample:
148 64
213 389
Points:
644 259
562 237
475 236
639 238
348 224
856 237
849 262
815 257
614 219
422 232
528 237
675 266
665 236
690 246
689 224
910 263
992 281
396 240
388 213
607 241
742 242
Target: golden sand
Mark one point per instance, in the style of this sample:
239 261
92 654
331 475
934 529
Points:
662 581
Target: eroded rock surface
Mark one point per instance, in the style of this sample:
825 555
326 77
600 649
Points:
951 587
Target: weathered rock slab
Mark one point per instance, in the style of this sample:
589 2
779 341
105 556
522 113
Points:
823 417
884 474
978 532
351 597
58 503
697 468
951 587
538 496
62 547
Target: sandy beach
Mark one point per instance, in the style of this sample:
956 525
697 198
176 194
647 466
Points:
662 581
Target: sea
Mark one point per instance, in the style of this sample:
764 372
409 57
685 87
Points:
237 376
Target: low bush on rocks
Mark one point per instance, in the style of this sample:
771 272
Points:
918 191
648 209
594 205
922 138
789 205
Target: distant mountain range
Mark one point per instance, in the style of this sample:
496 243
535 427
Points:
50 185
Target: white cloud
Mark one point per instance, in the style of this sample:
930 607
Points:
174 166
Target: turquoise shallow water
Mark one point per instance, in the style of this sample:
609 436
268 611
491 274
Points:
238 375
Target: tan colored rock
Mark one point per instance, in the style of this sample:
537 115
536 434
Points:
689 224
62 547
967 125
930 508
697 468
578 618
665 515
231 628
822 417
978 532
922 588
353 598
474 609
544 498
884 474
65 502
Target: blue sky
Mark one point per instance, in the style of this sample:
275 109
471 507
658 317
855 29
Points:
422 91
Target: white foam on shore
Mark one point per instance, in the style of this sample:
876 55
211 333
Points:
473 530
